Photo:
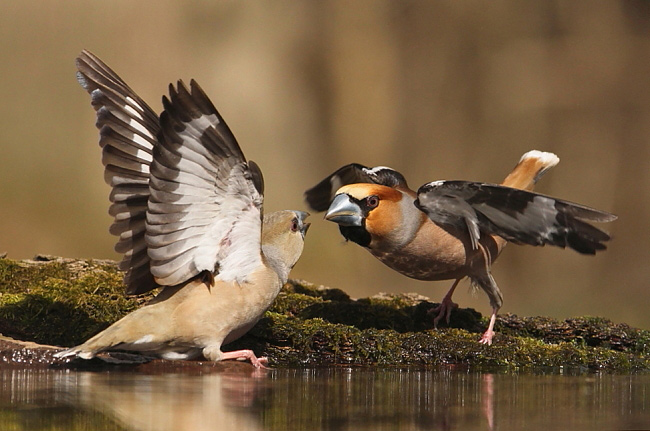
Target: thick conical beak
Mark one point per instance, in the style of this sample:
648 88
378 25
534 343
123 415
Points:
302 216
344 212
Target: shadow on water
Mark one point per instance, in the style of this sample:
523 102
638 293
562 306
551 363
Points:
329 398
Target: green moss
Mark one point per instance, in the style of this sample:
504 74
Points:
61 302
65 301
585 331
393 330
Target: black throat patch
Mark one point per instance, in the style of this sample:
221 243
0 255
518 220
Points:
356 234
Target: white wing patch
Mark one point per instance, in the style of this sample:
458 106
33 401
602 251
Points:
516 215
373 171
132 110
199 125
204 211
236 235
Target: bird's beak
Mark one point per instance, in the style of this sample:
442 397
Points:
344 212
304 227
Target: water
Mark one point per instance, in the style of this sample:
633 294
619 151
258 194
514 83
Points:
328 399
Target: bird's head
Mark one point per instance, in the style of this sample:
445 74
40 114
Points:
283 238
367 212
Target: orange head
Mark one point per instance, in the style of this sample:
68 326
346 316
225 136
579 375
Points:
367 212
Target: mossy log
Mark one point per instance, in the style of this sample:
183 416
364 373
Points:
63 302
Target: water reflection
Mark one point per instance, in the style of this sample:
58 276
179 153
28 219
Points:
332 399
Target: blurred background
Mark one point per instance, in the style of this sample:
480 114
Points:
437 90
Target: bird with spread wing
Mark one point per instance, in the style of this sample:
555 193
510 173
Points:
454 229
188 213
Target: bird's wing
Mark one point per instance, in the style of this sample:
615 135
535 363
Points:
205 208
128 128
320 196
519 216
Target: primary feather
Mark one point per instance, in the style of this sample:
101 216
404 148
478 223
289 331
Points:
182 190
519 216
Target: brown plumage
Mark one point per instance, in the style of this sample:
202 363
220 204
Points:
453 229
188 213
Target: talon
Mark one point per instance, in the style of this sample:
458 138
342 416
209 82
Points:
261 363
446 306
487 338
243 355
443 310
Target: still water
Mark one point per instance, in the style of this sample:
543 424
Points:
327 399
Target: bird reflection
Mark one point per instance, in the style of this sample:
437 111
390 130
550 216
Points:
170 401
288 399
488 399
329 398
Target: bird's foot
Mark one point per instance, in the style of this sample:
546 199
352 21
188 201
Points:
242 355
489 333
443 310
487 337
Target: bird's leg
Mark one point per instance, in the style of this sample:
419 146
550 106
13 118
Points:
213 353
489 334
446 306
246 354
486 282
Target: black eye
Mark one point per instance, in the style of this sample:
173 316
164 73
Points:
295 226
372 201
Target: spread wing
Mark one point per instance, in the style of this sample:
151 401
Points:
518 216
127 134
184 198
320 196
205 208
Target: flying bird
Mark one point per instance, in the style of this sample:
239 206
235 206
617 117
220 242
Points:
449 230
188 214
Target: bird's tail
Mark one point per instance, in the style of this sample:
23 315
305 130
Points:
531 167
83 351
124 331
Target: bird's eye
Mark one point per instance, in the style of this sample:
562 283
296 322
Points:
372 201
295 226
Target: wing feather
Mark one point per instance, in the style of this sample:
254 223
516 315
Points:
516 215
205 202
320 196
184 198
127 134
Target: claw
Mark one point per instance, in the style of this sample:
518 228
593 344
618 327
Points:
243 355
446 306
443 310
487 337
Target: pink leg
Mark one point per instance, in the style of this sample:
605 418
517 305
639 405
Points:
246 354
446 306
487 335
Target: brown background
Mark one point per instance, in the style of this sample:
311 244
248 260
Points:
437 90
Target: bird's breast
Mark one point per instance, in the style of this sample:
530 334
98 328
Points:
433 253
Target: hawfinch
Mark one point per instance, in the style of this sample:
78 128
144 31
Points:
454 229
188 213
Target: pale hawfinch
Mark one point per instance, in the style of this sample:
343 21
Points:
454 229
188 213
